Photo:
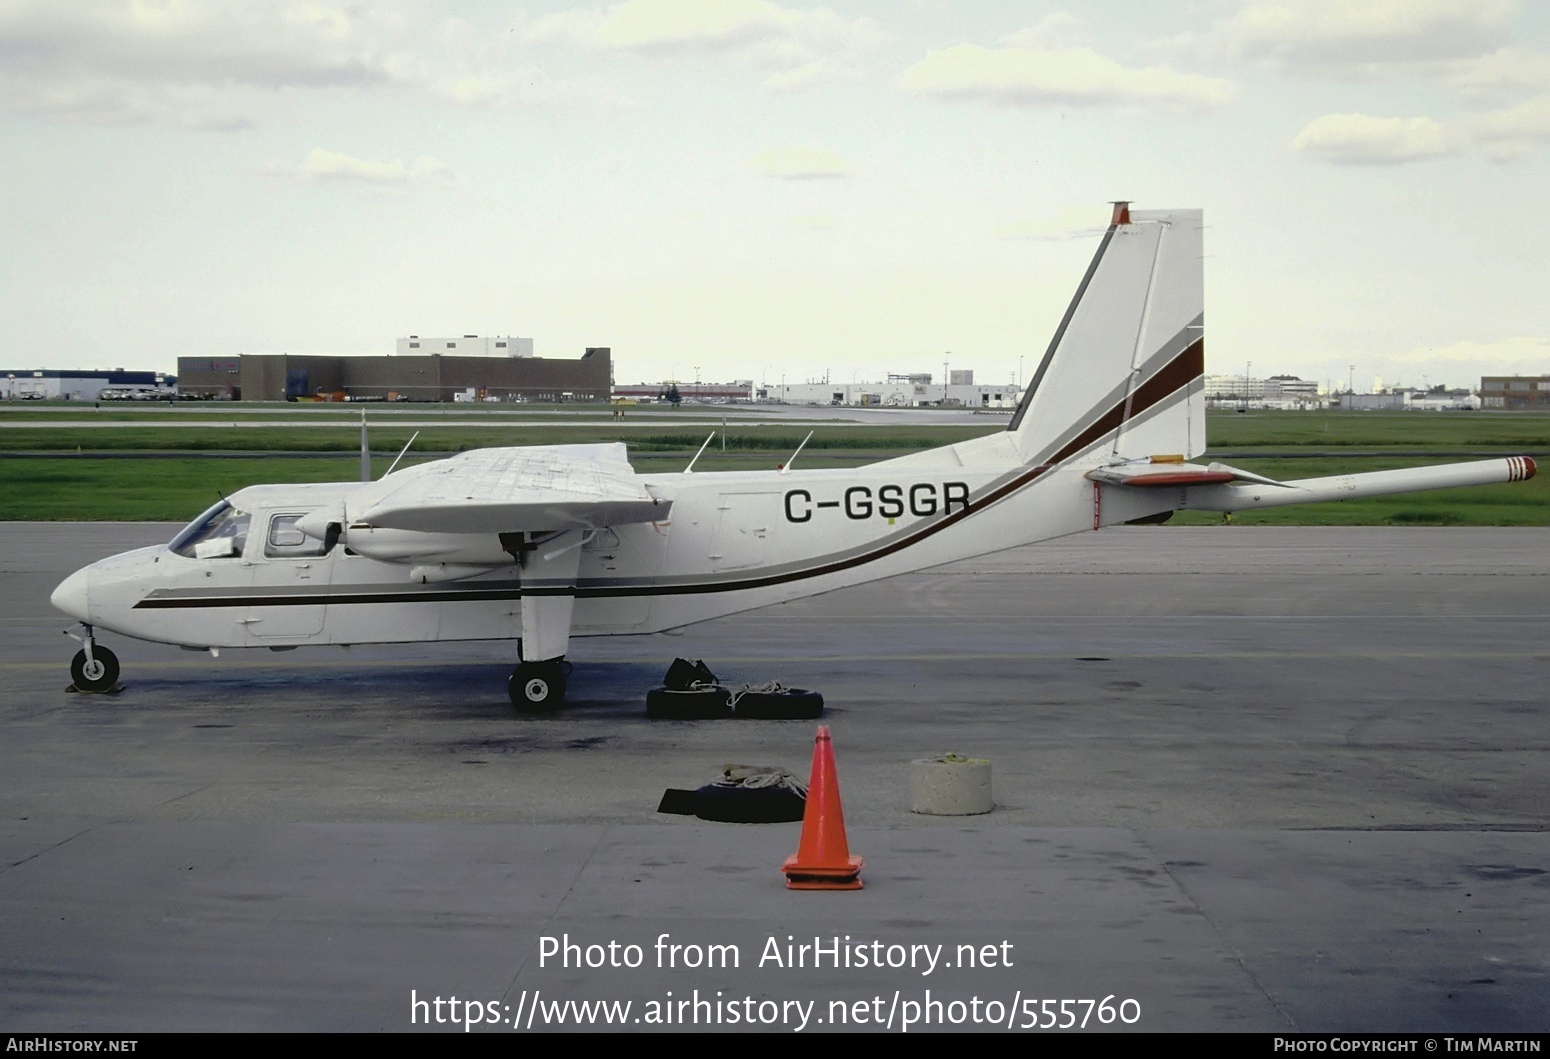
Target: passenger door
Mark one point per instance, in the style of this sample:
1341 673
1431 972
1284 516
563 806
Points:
290 582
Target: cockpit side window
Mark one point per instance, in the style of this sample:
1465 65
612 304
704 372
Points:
285 540
220 533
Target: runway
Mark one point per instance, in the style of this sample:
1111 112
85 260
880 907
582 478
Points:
1246 779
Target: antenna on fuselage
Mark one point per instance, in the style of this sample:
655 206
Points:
365 451
787 465
697 455
401 454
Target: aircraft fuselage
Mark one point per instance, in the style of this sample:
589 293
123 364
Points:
732 541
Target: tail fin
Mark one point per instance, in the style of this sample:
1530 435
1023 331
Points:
1124 375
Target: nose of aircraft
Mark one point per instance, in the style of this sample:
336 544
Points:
71 596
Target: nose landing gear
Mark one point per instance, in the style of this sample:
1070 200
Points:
94 667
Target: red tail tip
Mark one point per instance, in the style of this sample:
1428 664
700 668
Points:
1528 467
1121 213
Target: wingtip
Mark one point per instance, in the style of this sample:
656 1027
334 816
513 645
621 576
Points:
1529 468
1121 213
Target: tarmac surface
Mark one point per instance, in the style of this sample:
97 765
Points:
1245 779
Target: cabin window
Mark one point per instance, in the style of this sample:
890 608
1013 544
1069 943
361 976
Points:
285 539
219 533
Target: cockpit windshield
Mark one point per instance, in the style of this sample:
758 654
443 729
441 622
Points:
219 533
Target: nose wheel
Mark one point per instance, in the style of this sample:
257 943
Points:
539 685
94 669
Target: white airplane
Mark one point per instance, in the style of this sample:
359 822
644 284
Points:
544 543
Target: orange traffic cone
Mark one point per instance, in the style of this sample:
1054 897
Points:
822 860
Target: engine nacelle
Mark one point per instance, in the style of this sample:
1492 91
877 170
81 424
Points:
416 548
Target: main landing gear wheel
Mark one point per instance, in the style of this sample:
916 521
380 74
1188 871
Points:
97 673
538 685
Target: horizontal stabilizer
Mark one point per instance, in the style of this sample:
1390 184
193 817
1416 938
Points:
1248 495
1164 478
1160 473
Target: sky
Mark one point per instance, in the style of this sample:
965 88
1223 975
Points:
735 189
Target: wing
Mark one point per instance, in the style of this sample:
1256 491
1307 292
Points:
531 489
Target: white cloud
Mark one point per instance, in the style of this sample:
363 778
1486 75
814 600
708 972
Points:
1361 139
1072 222
322 166
1060 31
800 163
1502 135
1507 134
1498 77
1040 67
224 63
813 75
1352 39
803 47
92 99
668 26
1463 47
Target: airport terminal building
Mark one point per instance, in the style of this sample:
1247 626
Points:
428 377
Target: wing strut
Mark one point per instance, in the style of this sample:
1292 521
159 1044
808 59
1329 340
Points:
697 455
787 465
401 453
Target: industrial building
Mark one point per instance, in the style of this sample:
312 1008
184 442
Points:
47 384
1278 391
1522 392
467 346
424 377
737 391
899 391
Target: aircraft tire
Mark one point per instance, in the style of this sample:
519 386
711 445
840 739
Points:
787 704
537 686
99 673
705 703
